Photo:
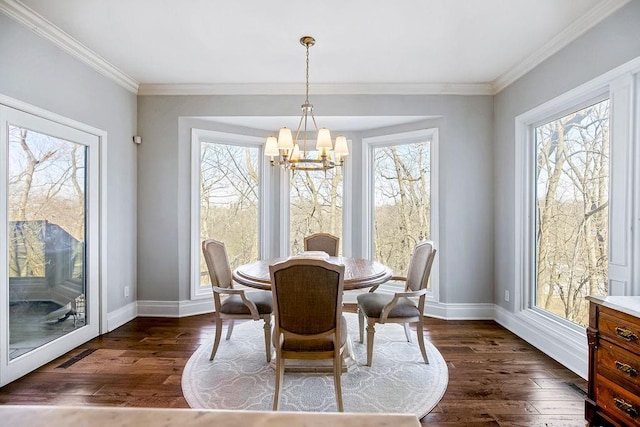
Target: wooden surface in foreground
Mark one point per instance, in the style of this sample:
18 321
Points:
495 378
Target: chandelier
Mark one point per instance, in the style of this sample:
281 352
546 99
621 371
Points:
286 151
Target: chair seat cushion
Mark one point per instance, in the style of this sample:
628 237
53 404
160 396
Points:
322 344
372 304
233 303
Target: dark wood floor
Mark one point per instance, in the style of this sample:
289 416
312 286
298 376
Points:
495 378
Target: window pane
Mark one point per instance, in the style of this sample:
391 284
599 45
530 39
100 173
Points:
316 205
402 185
46 238
572 187
229 201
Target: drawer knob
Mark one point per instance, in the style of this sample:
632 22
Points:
627 369
626 334
626 407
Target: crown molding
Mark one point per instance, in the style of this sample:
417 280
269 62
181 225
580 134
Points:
26 16
318 89
41 26
576 29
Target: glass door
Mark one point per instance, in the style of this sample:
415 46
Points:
49 285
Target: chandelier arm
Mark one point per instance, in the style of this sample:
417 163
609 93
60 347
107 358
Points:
295 140
306 119
314 121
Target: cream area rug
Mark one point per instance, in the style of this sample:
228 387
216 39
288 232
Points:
239 378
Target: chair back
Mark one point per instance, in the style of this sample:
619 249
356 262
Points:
307 296
322 242
215 255
420 265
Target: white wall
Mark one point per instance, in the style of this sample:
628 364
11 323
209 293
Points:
613 42
476 156
148 226
466 182
35 71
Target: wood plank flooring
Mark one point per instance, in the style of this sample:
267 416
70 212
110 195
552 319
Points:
495 378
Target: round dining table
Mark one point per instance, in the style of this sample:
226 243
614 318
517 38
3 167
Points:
358 273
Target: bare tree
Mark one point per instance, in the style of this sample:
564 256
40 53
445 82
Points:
316 205
402 199
229 200
26 175
44 188
572 220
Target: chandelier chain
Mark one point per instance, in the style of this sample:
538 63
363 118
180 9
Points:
307 77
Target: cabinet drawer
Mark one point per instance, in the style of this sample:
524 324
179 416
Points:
618 364
617 401
623 330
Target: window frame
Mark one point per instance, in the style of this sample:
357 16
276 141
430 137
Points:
198 137
551 333
530 292
394 139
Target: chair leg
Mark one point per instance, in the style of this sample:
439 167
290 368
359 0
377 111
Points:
337 374
419 326
229 330
406 332
361 324
216 342
279 379
267 336
371 330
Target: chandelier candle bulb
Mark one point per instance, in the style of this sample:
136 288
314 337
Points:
285 140
271 147
295 155
324 139
341 148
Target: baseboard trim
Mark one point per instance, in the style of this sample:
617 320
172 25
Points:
477 311
481 311
174 308
119 317
433 309
570 350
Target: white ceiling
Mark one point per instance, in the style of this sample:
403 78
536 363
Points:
191 45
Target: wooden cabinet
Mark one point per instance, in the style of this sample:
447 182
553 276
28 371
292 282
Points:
614 362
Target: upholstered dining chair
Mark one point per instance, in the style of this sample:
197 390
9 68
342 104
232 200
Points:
399 307
308 320
322 242
234 304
